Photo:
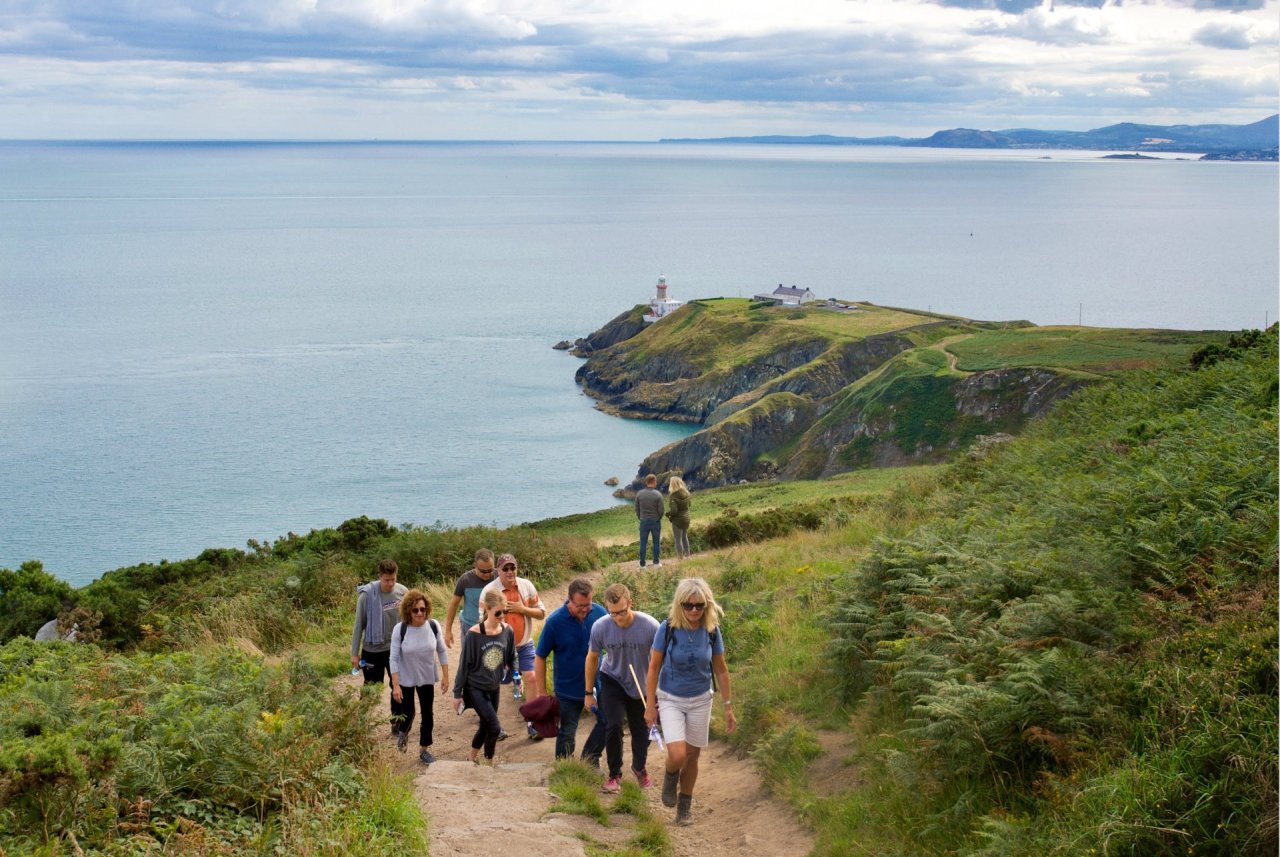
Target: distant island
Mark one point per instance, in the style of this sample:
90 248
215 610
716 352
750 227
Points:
1259 141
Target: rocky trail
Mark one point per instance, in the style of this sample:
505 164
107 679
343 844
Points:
467 804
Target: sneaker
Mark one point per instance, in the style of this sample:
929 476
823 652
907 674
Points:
402 741
613 785
502 735
593 760
426 758
642 777
657 565
533 733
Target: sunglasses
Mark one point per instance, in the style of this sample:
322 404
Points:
498 613
508 568
694 605
418 610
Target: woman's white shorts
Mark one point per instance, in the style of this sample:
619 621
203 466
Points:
685 718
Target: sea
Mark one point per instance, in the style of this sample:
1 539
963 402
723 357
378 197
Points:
206 343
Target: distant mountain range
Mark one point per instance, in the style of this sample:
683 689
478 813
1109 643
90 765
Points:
1260 138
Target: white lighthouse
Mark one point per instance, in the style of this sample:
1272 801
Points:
661 305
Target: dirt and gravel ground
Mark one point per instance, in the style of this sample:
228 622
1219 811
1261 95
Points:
467 804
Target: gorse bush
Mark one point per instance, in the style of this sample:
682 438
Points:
1098 592
105 750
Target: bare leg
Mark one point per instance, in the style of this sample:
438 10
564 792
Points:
689 771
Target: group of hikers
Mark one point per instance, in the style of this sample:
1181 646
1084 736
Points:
658 678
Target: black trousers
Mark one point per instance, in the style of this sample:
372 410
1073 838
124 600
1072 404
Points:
618 704
377 665
426 694
485 703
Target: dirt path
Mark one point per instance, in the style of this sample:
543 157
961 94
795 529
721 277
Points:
466 804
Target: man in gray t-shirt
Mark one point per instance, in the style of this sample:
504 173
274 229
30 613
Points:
626 638
649 509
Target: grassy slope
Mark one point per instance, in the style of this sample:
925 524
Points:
617 525
1068 649
1098 351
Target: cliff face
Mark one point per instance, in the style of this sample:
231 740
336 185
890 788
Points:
621 328
669 385
919 419
731 450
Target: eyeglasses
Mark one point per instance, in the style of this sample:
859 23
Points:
623 612
418 610
694 605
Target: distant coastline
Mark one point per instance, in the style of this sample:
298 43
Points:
1259 141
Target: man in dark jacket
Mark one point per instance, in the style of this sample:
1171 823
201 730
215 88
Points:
649 508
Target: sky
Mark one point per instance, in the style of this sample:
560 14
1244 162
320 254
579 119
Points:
625 69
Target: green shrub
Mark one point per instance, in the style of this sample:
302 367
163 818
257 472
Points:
29 597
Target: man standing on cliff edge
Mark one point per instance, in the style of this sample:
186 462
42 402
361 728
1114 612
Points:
649 509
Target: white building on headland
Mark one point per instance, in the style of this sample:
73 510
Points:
788 296
661 304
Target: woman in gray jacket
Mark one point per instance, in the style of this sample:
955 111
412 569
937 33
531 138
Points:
678 514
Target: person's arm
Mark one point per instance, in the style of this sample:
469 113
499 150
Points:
589 670
460 678
442 657
394 667
721 669
539 676
357 632
536 609
449 620
651 688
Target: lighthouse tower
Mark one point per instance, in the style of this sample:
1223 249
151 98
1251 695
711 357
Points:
661 304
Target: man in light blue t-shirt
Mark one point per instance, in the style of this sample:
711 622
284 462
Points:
625 638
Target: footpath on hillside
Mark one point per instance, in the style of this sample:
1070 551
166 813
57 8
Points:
466 804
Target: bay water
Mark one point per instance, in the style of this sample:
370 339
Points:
206 343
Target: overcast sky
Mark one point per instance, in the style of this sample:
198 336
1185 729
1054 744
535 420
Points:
624 69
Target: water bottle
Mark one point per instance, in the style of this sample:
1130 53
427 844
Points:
655 735
517 691
360 669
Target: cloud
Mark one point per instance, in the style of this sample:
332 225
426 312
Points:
1235 35
574 66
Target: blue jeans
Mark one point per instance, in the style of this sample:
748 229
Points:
650 527
567 737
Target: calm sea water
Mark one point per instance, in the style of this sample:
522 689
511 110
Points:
202 344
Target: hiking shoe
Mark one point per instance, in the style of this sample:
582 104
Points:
642 776
613 785
402 741
533 734
684 811
425 757
502 735
670 782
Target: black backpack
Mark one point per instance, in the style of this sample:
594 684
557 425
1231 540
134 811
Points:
435 629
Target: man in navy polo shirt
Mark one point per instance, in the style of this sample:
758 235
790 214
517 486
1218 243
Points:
566 637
